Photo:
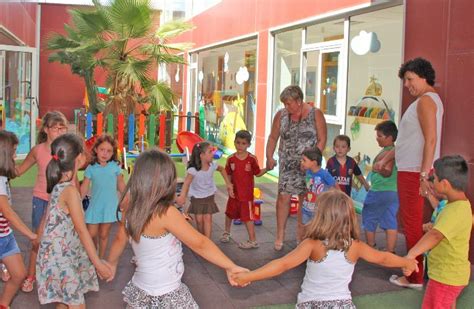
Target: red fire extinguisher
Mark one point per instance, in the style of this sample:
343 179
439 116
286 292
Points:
294 202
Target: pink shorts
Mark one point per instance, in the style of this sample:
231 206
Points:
439 295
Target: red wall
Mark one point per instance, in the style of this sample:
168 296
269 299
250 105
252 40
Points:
449 44
20 19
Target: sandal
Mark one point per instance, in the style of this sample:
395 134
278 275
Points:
5 274
225 237
394 279
249 244
278 246
27 285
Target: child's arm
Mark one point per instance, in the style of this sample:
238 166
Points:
363 181
386 259
29 161
262 172
230 187
278 266
85 187
434 202
390 155
14 219
117 247
181 199
175 223
72 200
427 242
121 183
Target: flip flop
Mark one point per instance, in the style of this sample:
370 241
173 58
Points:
394 279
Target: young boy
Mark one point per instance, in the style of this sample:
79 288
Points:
318 180
448 265
381 203
342 167
242 166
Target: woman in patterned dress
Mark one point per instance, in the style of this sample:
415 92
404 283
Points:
299 126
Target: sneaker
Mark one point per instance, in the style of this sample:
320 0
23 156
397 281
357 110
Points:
394 279
249 244
225 237
28 284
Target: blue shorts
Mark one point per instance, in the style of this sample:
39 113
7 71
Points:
39 208
307 215
380 208
8 246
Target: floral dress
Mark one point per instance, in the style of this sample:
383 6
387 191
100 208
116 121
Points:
63 269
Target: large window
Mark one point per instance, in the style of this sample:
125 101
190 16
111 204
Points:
226 90
374 89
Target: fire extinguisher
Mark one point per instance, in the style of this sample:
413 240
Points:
294 202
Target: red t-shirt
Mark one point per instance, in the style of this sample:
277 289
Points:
241 173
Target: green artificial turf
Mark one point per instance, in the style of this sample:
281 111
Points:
406 299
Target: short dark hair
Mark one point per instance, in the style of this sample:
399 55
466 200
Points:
454 169
244 134
343 138
420 67
388 128
291 92
314 154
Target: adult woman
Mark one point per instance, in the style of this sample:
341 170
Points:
418 145
298 126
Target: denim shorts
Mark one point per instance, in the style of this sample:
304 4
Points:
8 246
380 208
306 215
39 208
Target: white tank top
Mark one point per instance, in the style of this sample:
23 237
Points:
410 140
159 264
327 279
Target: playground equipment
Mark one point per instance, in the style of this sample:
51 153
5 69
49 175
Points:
294 204
256 209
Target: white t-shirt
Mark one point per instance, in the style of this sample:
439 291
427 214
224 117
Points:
203 184
5 229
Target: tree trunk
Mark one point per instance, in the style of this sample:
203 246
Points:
91 91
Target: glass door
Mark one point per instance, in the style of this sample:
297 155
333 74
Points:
17 94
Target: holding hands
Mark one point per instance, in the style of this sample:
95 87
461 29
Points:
105 271
232 274
410 266
271 163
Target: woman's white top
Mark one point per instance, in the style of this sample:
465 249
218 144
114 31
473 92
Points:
159 263
203 184
327 279
410 140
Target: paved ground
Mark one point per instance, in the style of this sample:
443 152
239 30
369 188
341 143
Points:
207 282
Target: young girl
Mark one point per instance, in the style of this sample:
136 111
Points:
66 255
199 182
156 228
9 251
53 125
105 174
331 249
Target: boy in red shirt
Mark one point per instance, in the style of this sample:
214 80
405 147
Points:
241 167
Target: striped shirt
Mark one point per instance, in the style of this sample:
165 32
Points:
5 229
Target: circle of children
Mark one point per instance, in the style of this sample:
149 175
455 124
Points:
68 246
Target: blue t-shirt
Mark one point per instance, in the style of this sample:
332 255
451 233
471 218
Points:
316 183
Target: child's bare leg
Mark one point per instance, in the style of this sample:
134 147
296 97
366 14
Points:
370 236
32 262
207 226
251 230
199 223
61 306
94 231
16 268
228 224
104 230
391 240
81 306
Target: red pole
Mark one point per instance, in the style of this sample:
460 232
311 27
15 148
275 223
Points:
120 131
180 121
196 123
162 130
100 122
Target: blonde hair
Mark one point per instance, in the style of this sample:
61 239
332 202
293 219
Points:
335 221
50 119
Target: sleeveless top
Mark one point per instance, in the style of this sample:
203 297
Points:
43 156
5 229
410 140
159 264
327 279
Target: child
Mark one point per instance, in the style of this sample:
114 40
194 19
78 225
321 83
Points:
105 174
53 125
448 241
199 182
331 249
242 166
66 255
9 251
156 229
437 205
381 203
318 180
342 167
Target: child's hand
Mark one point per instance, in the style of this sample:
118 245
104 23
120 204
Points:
180 200
230 190
113 269
427 227
241 279
411 265
235 270
187 216
104 270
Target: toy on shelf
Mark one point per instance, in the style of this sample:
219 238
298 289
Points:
294 204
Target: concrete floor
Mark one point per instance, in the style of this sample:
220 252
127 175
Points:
208 283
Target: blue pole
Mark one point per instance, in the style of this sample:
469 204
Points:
88 125
131 131
188 121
